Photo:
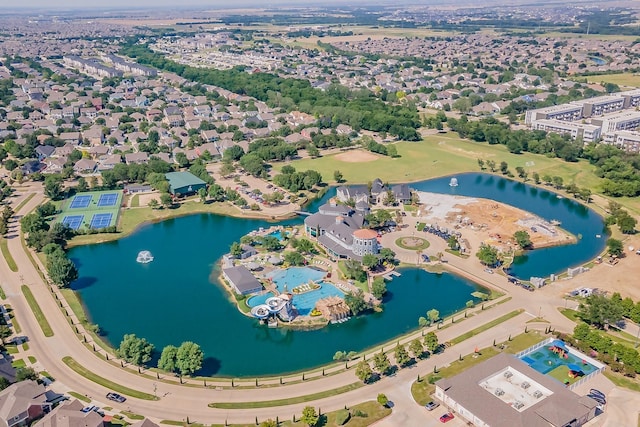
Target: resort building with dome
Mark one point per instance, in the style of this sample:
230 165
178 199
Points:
339 229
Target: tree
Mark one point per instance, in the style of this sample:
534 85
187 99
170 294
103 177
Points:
313 151
481 164
378 287
82 185
381 362
364 371
615 247
401 355
431 341
305 246
202 193
5 332
600 311
337 176
356 302
4 383
53 186
269 423
61 270
382 399
387 255
309 416
416 348
433 315
236 249
504 167
536 177
168 358
370 261
227 169
189 358
153 203
135 350
522 238
488 255
166 200
452 241
491 165
627 223
23 374
294 258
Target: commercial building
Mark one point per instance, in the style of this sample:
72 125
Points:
183 183
241 280
505 392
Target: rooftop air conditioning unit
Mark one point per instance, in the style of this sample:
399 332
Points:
508 374
499 392
525 385
517 404
537 394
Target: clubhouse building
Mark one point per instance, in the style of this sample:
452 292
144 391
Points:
505 392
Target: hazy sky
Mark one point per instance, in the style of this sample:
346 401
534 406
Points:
217 4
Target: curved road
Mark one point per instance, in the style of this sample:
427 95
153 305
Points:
178 402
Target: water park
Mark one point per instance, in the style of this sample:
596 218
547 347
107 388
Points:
413 293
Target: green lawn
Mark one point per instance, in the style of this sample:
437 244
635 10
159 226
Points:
373 410
79 369
624 79
135 201
37 311
440 155
79 396
485 327
32 360
18 363
4 247
290 401
2 294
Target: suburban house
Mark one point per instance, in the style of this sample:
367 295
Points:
70 414
23 402
182 183
377 193
241 280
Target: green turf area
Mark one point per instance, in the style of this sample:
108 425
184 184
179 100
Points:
289 401
92 209
486 326
18 363
79 369
37 311
444 154
4 247
79 396
561 373
624 79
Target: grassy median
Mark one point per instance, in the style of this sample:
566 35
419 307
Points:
37 311
4 247
79 369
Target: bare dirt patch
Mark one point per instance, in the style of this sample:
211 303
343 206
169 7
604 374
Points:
357 156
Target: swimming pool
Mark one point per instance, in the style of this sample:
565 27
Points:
544 361
295 276
305 302
258 299
278 234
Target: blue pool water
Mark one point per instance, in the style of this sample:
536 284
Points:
544 360
294 276
306 301
258 299
277 234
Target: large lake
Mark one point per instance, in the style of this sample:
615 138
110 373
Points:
177 297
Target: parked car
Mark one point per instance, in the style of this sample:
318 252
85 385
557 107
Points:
598 399
446 417
431 405
116 397
597 393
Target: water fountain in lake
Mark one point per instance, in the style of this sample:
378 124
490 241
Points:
144 257
453 182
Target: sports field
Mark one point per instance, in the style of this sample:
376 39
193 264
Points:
628 80
95 209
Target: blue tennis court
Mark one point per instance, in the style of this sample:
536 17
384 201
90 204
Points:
79 202
73 221
101 220
108 199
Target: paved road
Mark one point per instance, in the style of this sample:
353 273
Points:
177 402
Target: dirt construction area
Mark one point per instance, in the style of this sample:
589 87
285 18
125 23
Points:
493 223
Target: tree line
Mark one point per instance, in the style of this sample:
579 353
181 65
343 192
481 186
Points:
360 109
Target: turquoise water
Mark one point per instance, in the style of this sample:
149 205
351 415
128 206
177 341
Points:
277 234
544 360
258 299
288 278
305 302
177 297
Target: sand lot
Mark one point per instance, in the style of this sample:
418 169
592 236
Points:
356 156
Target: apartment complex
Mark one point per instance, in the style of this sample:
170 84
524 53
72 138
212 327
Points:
601 118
